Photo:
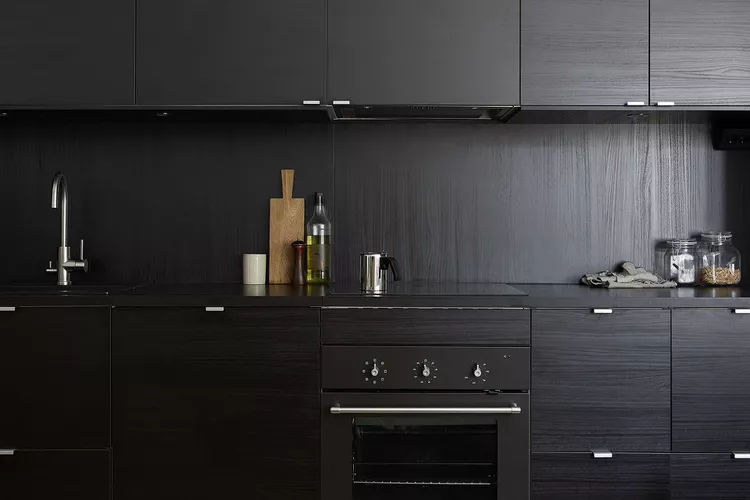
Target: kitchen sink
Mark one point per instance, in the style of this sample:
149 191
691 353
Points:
55 290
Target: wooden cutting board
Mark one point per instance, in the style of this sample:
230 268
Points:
287 225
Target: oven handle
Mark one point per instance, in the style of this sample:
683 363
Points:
509 410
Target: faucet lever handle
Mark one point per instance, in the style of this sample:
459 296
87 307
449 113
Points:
50 269
80 255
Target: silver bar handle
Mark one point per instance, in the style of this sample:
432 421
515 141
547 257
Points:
603 311
601 453
311 102
741 455
7 453
741 311
341 103
506 410
665 103
212 309
635 103
8 309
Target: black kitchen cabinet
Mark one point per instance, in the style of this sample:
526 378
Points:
579 476
231 52
710 370
584 52
54 378
700 52
216 404
696 476
418 326
66 54
600 381
64 475
418 52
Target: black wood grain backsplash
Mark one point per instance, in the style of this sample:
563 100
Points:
180 202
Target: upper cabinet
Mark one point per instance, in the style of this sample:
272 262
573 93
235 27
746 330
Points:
584 52
450 52
230 52
700 52
76 53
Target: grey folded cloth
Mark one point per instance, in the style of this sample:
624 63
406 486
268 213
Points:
630 277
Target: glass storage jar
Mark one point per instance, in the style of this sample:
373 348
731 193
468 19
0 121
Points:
719 259
682 261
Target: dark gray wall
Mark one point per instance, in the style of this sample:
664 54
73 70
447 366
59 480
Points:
180 202
527 203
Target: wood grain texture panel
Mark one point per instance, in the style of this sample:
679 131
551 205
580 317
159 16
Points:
709 477
286 225
584 52
170 202
231 51
64 475
710 369
216 405
700 52
410 326
74 53
526 203
54 367
578 476
424 52
600 381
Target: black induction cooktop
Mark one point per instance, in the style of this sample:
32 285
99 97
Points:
417 288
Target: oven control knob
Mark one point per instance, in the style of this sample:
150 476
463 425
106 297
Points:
425 370
478 375
374 371
477 371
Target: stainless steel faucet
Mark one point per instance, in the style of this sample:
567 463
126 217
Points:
64 263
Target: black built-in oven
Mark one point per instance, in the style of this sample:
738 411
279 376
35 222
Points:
417 423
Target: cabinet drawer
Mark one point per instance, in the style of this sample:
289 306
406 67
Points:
579 476
600 381
709 476
54 378
426 326
710 370
63 475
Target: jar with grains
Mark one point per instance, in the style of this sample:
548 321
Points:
682 262
719 259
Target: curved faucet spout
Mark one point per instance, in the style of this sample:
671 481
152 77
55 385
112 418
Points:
60 194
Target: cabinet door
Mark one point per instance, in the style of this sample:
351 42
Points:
584 52
697 476
579 476
700 52
600 380
710 370
225 52
72 53
213 405
424 52
54 378
62 475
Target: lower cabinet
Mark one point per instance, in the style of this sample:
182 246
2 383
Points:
706 476
212 405
580 476
62 475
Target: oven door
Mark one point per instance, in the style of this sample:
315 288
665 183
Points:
419 446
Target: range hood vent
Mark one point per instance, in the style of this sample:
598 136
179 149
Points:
423 113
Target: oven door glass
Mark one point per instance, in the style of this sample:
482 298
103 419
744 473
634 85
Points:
419 457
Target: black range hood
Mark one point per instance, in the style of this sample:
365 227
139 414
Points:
348 112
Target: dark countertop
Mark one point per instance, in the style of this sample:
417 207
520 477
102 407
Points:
417 294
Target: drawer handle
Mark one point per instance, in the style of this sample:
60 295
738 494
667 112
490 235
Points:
214 309
741 455
7 309
635 103
601 454
603 311
7 453
665 103
741 311
338 410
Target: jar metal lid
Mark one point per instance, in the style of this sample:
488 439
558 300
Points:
716 236
678 243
